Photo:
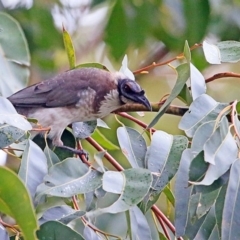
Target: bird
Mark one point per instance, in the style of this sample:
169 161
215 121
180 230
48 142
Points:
77 95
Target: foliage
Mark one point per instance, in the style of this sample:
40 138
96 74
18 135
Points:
69 197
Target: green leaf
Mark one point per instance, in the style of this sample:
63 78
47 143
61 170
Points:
201 135
9 135
105 143
138 224
52 158
133 184
198 86
183 71
54 230
203 109
69 177
185 95
14 56
169 195
164 157
211 53
206 201
230 218
187 52
33 167
115 30
208 226
69 48
92 65
198 167
133 146
10 116
84 130
230 51
221 151
16 202
196 15
219 206
182 194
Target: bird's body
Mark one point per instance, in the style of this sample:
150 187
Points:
77 95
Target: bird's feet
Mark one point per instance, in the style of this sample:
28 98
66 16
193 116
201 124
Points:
75 151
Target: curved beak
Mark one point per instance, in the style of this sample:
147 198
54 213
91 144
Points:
143 100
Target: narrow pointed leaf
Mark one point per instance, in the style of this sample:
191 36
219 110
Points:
212 53
92 65
198 86
207 226
33 167
183 71
231 220
69 48
51 156
139 225
125 70
182 194
201 135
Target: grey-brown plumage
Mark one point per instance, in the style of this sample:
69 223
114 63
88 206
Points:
75 96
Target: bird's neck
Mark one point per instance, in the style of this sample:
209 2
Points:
110 103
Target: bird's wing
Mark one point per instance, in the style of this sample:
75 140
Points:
56 92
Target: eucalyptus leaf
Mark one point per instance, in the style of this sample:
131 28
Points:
56 230
16 202
198 86
14 56
230 218
10 116
182 194
212 53
139 225
183 72
203 109
133 146
84 130
33 167
136 184
230 51
9 135
68 178
164 157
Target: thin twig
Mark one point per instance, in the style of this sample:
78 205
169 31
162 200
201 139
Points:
222 75
107 155
153 65
163 227
158 212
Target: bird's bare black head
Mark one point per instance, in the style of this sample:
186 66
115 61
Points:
130 91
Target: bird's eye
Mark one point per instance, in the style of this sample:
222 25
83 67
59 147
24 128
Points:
127 88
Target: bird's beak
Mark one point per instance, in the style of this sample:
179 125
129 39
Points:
143 100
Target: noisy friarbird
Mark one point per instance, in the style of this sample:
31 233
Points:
77 95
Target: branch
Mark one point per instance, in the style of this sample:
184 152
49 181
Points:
174 110
222 75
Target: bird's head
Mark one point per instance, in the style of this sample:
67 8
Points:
130 92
